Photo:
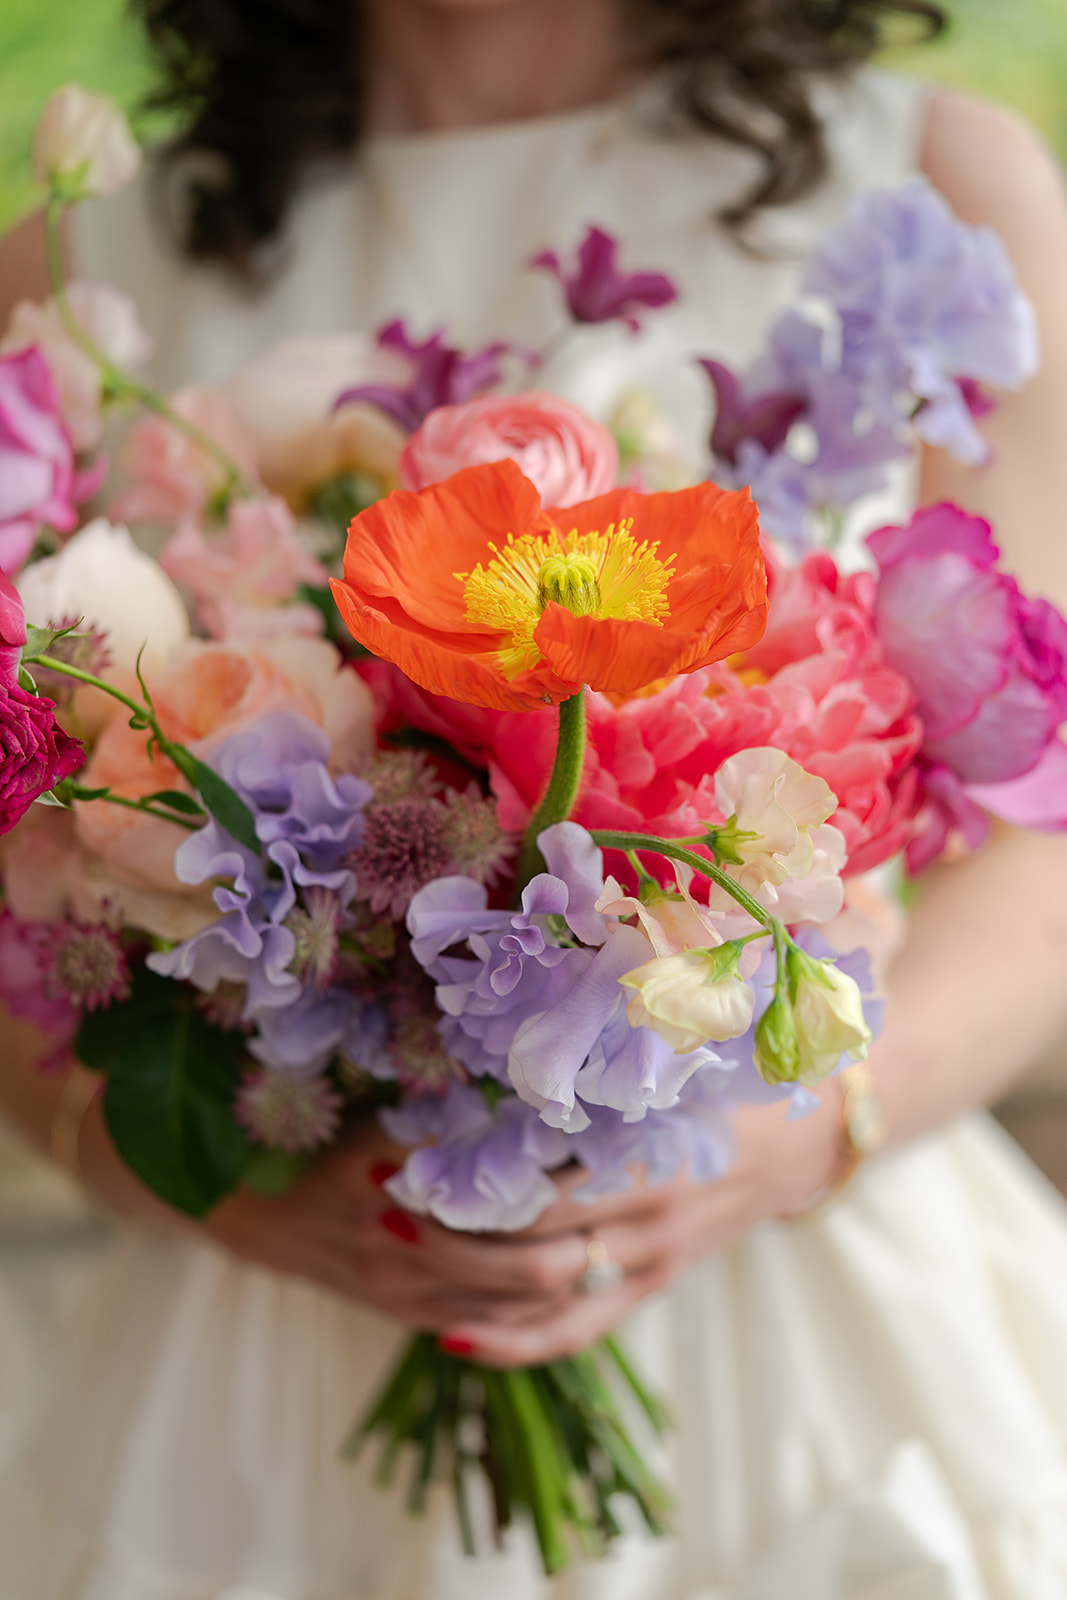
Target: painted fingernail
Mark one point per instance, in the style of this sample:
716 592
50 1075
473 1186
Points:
381 1172
401 1225
456 1347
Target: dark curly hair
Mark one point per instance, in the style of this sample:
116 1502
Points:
266 86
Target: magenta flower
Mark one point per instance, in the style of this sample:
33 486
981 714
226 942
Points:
987 665
12 633
441 376
35 753
765 418
37 475
595 289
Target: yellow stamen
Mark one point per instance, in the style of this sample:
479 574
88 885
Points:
592 574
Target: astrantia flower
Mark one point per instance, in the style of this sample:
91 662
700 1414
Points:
288 1112
478 593
404 846
86 963
477 845
87 649
314 926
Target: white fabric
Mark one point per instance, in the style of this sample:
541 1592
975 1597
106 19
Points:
872 1404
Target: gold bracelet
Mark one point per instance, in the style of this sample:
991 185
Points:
76 1096
863 1133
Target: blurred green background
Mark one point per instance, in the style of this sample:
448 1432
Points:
1014 50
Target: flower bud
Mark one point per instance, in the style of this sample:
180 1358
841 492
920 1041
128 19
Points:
83 145
777 1047
691 997
828 1011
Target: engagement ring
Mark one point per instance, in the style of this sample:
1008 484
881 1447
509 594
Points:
602 1271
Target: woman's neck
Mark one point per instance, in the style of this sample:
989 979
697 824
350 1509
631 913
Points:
441 64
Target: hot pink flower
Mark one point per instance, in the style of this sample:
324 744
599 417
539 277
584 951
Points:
24 951
988 666
37 475
172 476
12 633
241 580
35 753
564 453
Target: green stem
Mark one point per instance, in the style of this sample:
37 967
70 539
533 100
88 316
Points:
149 810
608 839
117 383
109 688
558 799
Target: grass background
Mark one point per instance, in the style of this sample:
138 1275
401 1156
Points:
1013 50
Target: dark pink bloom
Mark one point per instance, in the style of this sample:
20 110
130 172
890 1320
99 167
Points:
24 950
35 753
764 418
988 665
38 482
12 632
597 291
441 376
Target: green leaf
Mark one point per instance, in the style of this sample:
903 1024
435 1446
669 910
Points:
40 640
69 790
177 801
224 803
168 1103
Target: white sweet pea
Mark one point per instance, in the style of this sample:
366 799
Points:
83 145
828 1010
772 805
691 997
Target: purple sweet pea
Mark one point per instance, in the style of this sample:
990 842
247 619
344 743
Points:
765 418
486 1169
441 376
694 1135
987 665
595 289
37 472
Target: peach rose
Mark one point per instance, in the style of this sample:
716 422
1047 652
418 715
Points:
172 476
284 403
564 453
206 693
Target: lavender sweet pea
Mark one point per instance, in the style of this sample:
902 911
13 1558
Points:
441 376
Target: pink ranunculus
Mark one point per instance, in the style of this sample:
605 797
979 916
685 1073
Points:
567 455
37 474
242 580
174 477
110 320
12 632
35 753
988 666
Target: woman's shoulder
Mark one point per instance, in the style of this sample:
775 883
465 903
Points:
991 165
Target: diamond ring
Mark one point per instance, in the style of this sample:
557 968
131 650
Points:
602 1271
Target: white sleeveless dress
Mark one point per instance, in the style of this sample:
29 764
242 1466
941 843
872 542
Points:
871 1404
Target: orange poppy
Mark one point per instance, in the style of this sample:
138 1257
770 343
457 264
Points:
476 592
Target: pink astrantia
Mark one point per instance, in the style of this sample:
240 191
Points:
988 666
38 481
596 290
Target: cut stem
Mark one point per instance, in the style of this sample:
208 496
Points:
608 839
558 799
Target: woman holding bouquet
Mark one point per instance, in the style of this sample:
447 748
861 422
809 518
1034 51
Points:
866 1396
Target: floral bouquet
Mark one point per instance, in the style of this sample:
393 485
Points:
530 829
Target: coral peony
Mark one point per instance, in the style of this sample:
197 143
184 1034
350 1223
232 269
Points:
476 592
565 454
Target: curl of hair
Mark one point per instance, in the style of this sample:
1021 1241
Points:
264 87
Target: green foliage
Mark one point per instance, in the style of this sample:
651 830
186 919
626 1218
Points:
171 1078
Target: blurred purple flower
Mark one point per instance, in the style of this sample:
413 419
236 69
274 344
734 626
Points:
486 1169
595 289
765 418
694 1135
441 376
286 1112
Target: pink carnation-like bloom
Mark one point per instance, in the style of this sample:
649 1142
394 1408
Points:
35 753
173 476
242 580
564 453
815 687
38 483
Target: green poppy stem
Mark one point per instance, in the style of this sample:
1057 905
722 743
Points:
558 799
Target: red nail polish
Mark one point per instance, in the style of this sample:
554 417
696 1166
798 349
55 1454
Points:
401 1225
381 1172
456 1347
